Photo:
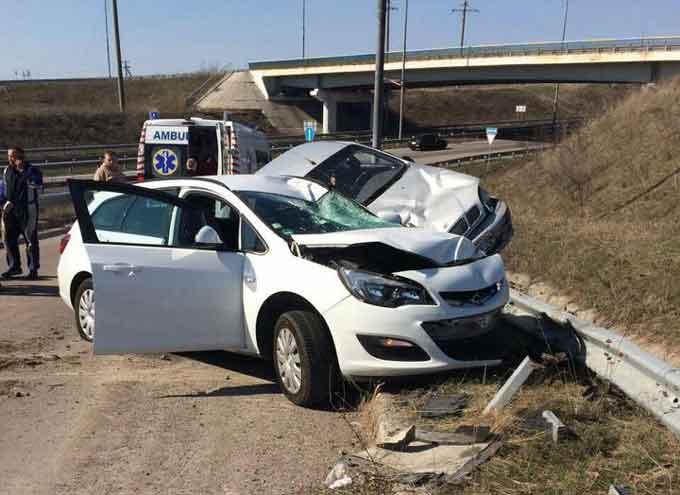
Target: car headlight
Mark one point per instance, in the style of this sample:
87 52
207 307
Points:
382 290
486 199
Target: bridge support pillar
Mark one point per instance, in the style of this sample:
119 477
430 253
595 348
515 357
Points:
330 109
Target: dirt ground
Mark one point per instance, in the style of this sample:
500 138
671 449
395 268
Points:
213 423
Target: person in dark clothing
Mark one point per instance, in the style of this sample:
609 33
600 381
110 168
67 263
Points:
20 213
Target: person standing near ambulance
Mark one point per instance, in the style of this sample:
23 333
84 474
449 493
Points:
109 169
20 213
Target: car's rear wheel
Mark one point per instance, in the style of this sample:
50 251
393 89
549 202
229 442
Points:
304 359
83 305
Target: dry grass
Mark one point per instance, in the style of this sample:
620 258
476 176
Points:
444 106
598 218
617 442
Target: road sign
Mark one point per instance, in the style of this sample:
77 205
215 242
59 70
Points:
310 130
521 108
491 133
154 115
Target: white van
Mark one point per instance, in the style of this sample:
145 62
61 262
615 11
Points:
219 146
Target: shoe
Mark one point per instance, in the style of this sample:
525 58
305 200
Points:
11 273
32 275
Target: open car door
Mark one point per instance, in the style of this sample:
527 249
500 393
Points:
158 289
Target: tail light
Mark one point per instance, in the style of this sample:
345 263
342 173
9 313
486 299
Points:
63 243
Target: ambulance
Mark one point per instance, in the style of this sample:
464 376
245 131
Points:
217 147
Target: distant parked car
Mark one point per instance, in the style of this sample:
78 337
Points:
401 191
427 142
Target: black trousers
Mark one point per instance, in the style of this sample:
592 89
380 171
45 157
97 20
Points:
26 225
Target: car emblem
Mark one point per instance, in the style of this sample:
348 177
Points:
476 299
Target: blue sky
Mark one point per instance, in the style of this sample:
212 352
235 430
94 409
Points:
66 38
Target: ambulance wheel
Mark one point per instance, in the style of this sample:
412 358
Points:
83 306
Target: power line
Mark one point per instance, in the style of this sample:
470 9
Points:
464 9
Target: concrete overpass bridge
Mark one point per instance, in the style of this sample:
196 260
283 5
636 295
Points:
334 80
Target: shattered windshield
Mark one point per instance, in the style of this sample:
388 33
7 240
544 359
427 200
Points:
290 216
359 173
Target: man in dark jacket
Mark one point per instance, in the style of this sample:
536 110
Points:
20 213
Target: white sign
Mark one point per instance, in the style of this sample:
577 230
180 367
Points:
167 134
491 133
521 108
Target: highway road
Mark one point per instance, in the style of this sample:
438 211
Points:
209 423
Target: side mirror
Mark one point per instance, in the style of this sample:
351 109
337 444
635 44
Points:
207 236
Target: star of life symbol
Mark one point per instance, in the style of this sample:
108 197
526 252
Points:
165 161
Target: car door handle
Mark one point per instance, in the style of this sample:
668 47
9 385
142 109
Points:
121 268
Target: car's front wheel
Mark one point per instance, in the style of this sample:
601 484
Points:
83 305
304 359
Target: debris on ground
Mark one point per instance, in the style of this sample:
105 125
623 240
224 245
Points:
444 405
619 490
338 477
559 431
511 386
463 435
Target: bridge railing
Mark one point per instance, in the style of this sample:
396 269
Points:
611 45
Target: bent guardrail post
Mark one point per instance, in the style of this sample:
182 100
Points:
649 381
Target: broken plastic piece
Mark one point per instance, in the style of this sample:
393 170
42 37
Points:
444 405
463 435
559 429
511 386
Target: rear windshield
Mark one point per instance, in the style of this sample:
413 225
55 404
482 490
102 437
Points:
289 216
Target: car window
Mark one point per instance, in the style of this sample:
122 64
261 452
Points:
109 215
211 211
358 173
148 217
251 242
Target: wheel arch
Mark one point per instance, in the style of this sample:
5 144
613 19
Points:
75 283
269 313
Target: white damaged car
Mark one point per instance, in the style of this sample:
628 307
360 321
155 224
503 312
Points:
281 268
402 191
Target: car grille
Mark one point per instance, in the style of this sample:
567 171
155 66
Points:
472 215
475 338
471 297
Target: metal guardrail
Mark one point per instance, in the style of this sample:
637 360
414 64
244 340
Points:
543 48
644 378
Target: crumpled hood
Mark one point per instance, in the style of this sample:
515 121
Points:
429 197
439 247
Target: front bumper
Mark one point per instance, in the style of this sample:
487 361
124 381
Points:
494 233
352 318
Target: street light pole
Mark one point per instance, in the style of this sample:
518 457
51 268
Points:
379 86
121 89
556 97
304 26
403 74
108 48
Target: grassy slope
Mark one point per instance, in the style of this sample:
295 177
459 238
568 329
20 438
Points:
598 217
40 114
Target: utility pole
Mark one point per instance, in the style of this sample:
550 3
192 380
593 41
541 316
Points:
116 34
389 10
465 8
403 74
304 25
379 86
108 48
556 98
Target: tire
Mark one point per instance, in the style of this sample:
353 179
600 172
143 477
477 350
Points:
304 359
83 309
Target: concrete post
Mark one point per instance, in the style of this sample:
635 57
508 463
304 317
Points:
330 109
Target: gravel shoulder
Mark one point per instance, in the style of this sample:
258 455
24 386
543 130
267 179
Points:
193 423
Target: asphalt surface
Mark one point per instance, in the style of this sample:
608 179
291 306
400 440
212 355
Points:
213 423
464 149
